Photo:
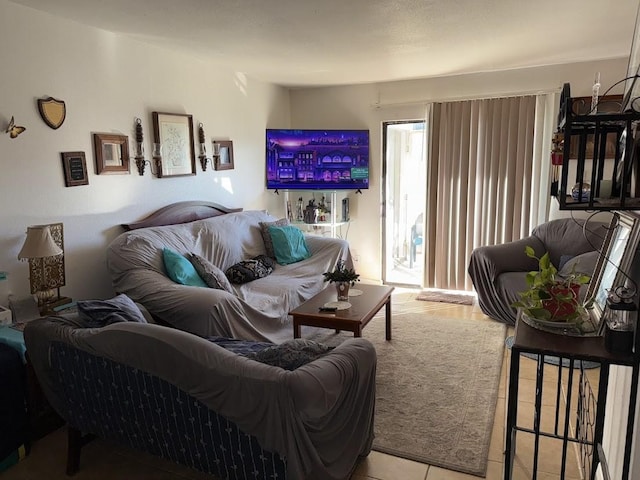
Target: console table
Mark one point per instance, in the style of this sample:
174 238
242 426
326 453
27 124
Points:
590 414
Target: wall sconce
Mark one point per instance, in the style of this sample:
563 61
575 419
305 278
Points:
157 159
44 248
203 148
141 162
139 148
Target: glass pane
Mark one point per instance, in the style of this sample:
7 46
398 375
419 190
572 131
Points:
405 186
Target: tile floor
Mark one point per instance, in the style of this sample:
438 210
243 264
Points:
103 460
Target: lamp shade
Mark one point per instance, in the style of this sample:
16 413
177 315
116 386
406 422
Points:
39 243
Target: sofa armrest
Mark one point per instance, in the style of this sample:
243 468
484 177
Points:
506 257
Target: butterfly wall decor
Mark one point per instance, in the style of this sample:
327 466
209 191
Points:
14 130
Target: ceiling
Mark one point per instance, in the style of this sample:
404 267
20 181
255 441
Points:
299 43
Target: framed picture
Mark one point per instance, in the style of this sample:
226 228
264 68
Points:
223 150
613 266
173 132
74 165
111 152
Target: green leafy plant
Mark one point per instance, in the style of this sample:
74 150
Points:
551 297
342 274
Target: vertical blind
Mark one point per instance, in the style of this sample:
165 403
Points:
486 180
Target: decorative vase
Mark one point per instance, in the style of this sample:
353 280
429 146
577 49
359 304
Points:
343 291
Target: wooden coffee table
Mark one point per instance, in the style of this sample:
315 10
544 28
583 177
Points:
353 319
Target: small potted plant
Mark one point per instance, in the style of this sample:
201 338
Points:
344 278
552 298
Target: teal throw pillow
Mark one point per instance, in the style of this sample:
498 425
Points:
289 244
180 269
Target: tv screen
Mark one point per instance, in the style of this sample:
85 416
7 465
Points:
317 159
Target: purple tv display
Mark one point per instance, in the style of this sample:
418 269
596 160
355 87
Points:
317 159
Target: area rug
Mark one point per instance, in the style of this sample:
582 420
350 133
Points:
437 386
445 297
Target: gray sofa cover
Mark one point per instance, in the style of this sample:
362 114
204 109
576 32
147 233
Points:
498 272
318 418
257 310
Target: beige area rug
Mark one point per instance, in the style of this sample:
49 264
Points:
437 386
445 297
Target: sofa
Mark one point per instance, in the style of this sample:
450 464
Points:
188 399
498 272
256 310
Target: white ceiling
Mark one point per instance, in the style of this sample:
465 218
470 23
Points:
333 42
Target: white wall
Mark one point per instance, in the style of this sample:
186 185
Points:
367 106
106 81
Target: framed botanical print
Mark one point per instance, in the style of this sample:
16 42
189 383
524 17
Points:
174 141
223 154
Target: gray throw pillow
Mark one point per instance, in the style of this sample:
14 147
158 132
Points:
291 354
212 275
100 313
266 234
585 264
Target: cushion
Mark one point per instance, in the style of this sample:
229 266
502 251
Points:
585 263
100 313
249 270
266 235
239 346
213 276
289 244
290 354
180 269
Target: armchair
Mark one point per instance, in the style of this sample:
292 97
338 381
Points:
498 272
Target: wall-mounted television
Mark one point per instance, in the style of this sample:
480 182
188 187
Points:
317 159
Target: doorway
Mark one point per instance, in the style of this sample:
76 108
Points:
404 198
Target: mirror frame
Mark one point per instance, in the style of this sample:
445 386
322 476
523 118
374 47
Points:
103 165
614 273
224 151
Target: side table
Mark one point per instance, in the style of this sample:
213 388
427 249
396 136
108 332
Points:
42 418
572 349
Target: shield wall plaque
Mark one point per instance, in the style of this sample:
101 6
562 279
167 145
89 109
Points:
52 111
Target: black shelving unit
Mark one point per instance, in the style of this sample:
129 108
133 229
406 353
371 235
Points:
605 143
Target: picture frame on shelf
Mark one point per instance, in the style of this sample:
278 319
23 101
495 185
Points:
223 150
173 133
74 166
112 153
615 259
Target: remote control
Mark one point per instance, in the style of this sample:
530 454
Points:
328 309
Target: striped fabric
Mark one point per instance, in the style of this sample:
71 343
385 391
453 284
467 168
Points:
135 408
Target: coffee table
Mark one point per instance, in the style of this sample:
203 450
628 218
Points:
353 319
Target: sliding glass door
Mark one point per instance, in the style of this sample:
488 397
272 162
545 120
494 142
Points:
404 189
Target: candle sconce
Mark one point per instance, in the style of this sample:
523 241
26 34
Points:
157 159
141 162
203 148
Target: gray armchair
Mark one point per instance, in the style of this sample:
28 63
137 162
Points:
498 272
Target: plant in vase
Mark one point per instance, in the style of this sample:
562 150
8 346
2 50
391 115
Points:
344 278
550 297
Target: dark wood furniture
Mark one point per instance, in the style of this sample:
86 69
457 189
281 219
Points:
591 140
353 319
590 409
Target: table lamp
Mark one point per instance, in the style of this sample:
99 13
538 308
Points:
43 247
